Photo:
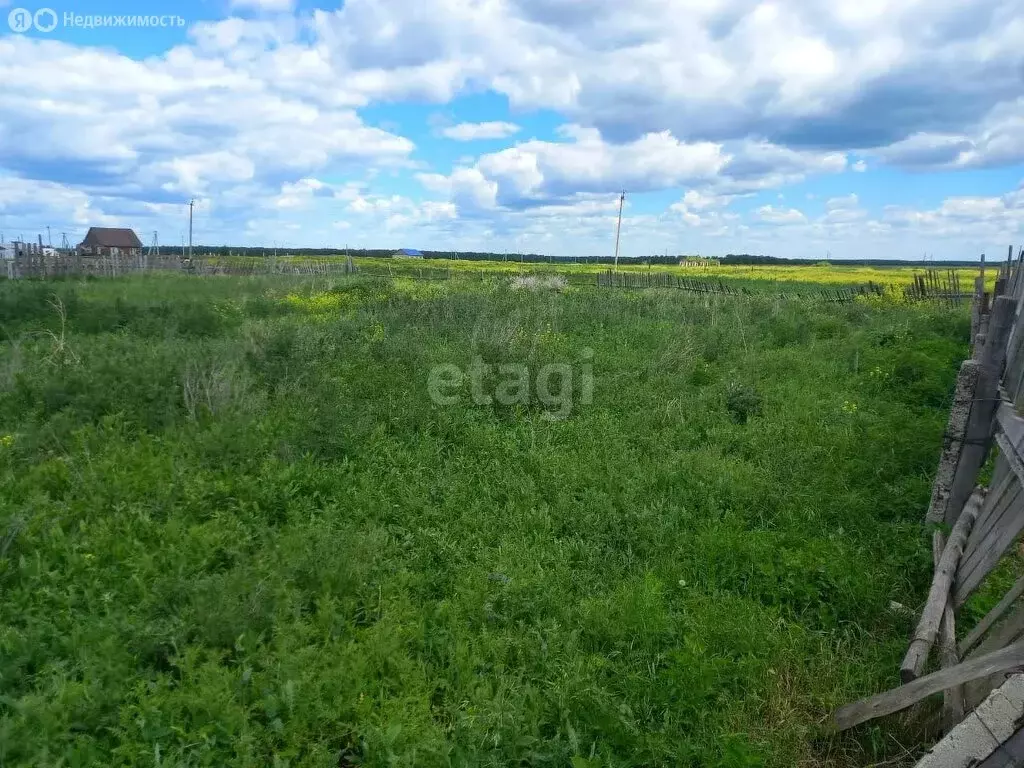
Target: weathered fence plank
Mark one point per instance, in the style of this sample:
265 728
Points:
956 428
979 425
991 511
1008 521
1010 630
949 656
942 583
1010 456
976 634
907 695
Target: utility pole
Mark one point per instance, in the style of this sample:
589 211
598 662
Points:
191 204
618 229
154 250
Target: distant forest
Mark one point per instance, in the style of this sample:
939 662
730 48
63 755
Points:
535 258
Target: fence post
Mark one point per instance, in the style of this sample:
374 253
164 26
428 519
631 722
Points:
978 433
956 429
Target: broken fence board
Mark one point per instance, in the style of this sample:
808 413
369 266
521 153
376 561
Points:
1008 632
942 583
956 428
993 546
989 516
907 695
1011 425
949 657
1015 359
1010 455
976 634
949 654
1005 525
1003 316
976 308
999 473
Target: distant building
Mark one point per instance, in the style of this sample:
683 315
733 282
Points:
17 249
109 241
407 253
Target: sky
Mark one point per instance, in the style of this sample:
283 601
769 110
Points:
812 129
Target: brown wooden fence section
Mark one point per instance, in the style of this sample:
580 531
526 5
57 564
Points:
941 285
974 525
651 279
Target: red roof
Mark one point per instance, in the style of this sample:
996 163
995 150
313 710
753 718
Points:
111 237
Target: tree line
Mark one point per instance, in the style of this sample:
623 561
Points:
745 259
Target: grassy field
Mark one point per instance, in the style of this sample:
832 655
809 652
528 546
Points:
237 527
762 278
787 275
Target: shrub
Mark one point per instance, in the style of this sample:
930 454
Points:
742 401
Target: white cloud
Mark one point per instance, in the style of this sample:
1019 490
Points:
727 98
997 139
31 204
814 75
535 173
476 131
705 210
396 211
843 210
264 5
702 200
129 133
302 193
846 202
773 215
539 173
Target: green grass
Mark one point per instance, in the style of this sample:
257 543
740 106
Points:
759 278
235 530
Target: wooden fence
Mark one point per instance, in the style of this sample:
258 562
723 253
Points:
973 526
939 286
612 279
33 262
253 267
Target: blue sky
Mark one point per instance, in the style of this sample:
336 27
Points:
866 128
